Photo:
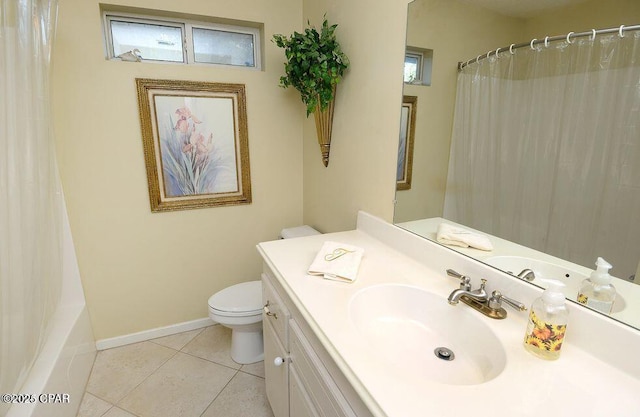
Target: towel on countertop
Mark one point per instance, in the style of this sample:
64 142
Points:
337 261
457 236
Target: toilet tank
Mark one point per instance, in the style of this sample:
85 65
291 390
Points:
300 231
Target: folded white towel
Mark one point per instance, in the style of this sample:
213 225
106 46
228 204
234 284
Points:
457 236
337 261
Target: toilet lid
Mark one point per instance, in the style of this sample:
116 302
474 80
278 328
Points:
240 298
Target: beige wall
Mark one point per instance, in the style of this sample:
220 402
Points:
582 17
455 32
364 143
142 270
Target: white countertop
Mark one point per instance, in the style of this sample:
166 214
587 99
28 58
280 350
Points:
578 384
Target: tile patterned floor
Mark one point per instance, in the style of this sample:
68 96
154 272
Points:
189 374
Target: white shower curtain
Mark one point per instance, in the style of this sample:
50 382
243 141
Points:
30 198
546 149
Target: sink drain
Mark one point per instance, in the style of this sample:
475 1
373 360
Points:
444 353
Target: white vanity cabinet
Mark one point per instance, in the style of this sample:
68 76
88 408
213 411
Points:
301 378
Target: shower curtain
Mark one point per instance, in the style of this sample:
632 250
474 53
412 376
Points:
546 149
30 192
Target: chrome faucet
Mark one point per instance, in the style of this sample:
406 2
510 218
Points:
496 300
527 275
479 295
490 306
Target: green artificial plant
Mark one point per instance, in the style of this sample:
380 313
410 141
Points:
315 64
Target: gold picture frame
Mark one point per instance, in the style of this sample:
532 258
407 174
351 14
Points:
196 144
405 147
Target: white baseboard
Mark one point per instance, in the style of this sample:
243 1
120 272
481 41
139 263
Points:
127 339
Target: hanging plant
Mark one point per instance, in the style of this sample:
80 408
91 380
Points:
315 65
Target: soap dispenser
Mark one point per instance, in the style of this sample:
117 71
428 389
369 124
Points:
547 322
597 291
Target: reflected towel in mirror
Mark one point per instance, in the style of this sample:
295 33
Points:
456 236
337 261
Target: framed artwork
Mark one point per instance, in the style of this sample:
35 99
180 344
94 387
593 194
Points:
405 148
196 145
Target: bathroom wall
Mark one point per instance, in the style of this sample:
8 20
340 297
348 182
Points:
451 29
581 17
361 168
144 270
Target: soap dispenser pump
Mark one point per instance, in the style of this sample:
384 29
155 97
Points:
597 291
547 322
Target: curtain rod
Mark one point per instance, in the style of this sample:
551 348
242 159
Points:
593 33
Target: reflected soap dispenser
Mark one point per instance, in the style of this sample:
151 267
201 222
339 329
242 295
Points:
597 291
547 322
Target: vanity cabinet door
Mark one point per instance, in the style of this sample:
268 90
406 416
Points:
300 404
275 319
314 377
276 373
306 382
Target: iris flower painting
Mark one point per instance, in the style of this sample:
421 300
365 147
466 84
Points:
196 143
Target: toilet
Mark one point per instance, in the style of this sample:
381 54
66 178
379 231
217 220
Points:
239 307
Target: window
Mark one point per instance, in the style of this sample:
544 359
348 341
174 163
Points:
223 47
167 39
412 67
417 66
157 42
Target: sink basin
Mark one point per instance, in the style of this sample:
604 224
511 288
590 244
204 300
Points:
571 278
405 325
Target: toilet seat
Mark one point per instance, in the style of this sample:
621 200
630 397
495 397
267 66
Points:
240 300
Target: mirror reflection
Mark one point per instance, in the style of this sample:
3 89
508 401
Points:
542 158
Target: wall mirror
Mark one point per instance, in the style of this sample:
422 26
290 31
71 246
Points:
461 30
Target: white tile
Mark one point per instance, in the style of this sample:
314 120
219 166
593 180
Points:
92 406
118 412
256 369
117 371
244 396
213 344
184 386
177 341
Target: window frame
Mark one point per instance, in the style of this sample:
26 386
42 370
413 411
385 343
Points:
425 65
245 30
125 17
419 67
186 26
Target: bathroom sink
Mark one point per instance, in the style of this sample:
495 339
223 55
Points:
415 331
570 277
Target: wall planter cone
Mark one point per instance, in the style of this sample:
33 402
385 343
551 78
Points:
324 122
315 64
